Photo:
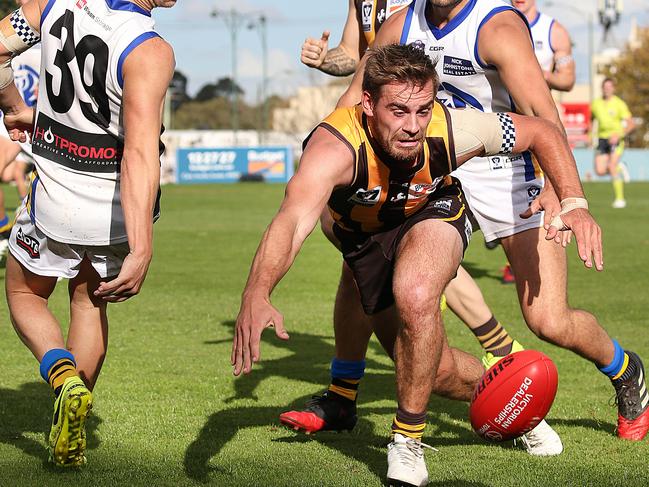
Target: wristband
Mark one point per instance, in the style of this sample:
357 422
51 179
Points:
567 205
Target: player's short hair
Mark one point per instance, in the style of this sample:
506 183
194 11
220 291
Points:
606 80
397 63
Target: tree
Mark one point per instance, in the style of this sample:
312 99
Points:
178 90
6 7
631 73
224 88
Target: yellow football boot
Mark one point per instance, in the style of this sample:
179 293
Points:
489 359
67 443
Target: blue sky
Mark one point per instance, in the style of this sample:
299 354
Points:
202 43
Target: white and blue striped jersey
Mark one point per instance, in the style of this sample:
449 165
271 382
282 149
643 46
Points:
541 28
78 137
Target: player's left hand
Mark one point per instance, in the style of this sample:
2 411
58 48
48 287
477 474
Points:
256 314
587 232
129 280
548 202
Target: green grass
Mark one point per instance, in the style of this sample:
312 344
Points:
169 412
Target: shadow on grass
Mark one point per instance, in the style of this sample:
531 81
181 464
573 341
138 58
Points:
364 444
27 411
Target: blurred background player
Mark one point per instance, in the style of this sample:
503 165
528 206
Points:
614 122
463 296
94 194
553 50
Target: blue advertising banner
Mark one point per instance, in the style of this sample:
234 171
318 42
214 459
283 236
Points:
229 164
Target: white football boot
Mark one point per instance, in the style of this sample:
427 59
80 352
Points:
542 441
406 465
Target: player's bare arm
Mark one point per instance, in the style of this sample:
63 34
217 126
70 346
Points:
343 59
389 34
147 73
326 164
505 43
485 134
562 78
18 117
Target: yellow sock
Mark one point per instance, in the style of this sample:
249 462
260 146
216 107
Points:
60 371
618 187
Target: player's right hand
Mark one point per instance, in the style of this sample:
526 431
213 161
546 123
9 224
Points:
19 123
129 280
315 50
256 314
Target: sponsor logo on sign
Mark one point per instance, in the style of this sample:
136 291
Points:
367 197
28 244
458 67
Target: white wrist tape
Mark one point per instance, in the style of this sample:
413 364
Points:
567 205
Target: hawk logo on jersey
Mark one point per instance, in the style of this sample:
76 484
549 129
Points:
381 16
366 15
367 197
28 244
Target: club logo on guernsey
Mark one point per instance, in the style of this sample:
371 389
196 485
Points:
367 197
533 192
458 67
366 15
28 244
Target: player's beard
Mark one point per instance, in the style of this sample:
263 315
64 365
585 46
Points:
403 156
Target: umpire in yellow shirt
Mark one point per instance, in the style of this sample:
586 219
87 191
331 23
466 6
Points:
614 122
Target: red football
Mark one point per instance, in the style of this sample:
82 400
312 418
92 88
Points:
513 396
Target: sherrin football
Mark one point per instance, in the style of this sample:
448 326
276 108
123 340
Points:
513 396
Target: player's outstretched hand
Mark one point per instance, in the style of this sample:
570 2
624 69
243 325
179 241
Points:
548 202
18 124
576 217
129 280
255 315
315 50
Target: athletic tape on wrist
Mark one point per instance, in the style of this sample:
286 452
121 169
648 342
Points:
567 205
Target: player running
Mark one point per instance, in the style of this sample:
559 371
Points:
94 193
614 123
401 221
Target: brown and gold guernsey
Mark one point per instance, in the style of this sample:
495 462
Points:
372 14
383 192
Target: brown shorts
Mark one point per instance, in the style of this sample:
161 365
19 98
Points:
371 256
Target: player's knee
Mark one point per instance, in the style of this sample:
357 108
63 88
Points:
550 329
417 301
601 171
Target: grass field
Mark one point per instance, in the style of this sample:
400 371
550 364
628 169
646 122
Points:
169 412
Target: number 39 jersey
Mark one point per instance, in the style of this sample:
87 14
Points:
78 136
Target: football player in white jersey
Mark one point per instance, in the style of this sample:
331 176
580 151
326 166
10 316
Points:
552 46
487 67
89 214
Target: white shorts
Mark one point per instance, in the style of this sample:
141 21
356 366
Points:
47 257
500 188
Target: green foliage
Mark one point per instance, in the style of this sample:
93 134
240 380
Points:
631 72
168 411
6 7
